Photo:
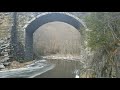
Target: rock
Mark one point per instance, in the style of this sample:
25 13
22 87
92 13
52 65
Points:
6 63
3 59
6 54
2 66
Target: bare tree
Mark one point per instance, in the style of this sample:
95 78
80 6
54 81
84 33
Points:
14 36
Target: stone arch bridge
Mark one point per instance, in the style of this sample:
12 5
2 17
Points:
42 19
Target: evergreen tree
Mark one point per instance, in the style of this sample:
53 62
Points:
104 37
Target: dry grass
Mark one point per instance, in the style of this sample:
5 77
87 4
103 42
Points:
15 64
56 38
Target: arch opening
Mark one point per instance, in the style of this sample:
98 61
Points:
56 39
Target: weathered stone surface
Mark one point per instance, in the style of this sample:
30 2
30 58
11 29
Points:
4 59
6 63
2 66
4 50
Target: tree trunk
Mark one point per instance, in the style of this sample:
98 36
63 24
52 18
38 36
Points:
14 37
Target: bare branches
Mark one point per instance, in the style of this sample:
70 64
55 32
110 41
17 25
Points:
57 38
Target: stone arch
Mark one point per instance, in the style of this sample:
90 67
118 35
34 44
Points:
43 19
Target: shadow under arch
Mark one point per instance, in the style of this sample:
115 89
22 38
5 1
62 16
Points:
43 19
